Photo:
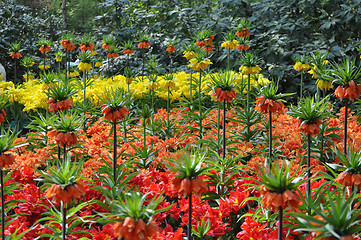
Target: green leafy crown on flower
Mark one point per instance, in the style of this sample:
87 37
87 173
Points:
27 61
310 110
280 177
153 65
203 35
351 161
67 122
86 56
87 39
128 45
15 47
44 41
244 23
243 40
143 37
62 174
335 215
343 73
191 47
61 91
59 54
115 98
129 72
113 49
7 140
223 80
302 59
109 40
145 111
249 59
269 91
135 205
229 36
187 164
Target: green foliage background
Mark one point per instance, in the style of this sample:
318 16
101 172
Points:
281 29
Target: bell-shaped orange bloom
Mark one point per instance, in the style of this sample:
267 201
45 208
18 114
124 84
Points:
2 115
171 49
57 194
132 230
243 47
312 129
224 95
276 200
349 237
6 160
44 49
351 92
128 51
114 115
243 33
67 45
113 55
105 46
144 44
63 105
208 48
268 105
86 47
349 179
187 186
15 55
201 43
63 138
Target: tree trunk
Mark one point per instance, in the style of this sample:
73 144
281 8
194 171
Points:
65 18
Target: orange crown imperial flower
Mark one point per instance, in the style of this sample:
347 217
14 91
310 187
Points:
113 55
312 128
15 55
57 194
134 230
44 49
144 44
6 160
2 115
227 95
114 115
351 92
105 46
67 45
243 47
63 138
63 105
128 51
243 33
171 49
349 179
269 105
276 200
86 47
187 186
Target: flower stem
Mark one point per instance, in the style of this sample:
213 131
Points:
224 129
345 128
200 105
248 89
189 230
229 59
2 205
168 103
218 126
309 164
301 90
114 151
190 90
280 224
59 152
64 153
63 210
15 71
270 138
66 63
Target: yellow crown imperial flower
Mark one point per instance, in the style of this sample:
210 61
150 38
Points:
169 84
41 67
189 54
58 59
230 44
325 85
250 70
99 64
74 74
301 66
199 65
85 66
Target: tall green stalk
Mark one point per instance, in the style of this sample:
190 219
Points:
200 105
